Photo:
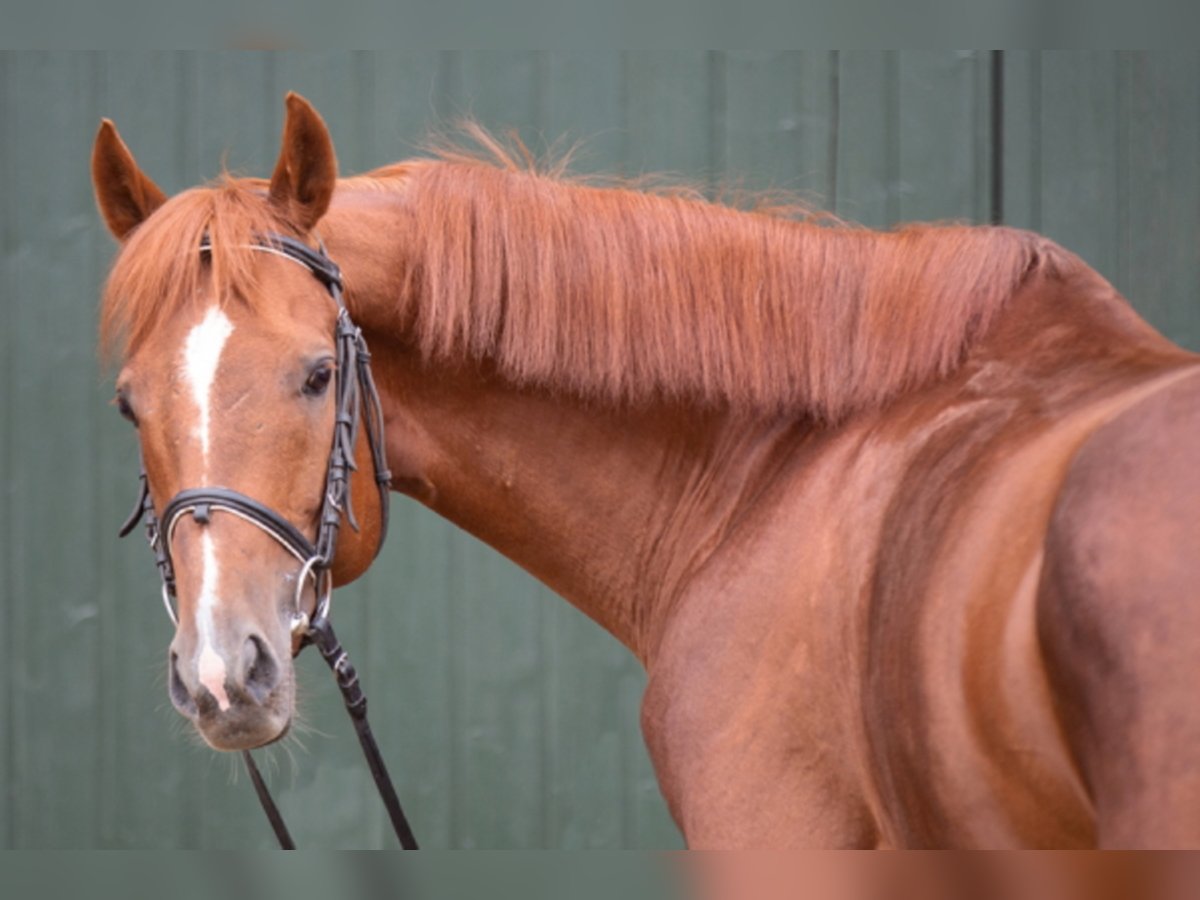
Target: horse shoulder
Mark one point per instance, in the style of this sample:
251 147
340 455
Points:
1119 617
744 713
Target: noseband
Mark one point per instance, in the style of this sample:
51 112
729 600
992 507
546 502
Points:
357 405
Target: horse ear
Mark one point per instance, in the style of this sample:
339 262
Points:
303 181
125 195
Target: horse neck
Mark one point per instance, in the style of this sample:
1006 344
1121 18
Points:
613 509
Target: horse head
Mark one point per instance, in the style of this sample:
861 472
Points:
229 371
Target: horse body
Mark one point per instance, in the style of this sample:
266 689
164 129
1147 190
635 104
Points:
840 624
865 623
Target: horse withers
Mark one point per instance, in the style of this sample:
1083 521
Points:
903 525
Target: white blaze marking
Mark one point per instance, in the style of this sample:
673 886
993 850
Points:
211 664
201 356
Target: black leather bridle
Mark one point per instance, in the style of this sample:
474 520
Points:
357 404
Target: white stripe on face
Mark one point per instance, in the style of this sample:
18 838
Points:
201 356
211 664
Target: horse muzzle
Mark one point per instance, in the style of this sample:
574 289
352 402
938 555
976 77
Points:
238 693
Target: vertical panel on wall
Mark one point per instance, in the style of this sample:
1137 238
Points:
582 96
1022 148
1160 229
409 98
943 153
53 613
1100 155
236 110
912 136
8 253
776 134
1082 156
867 178
669 110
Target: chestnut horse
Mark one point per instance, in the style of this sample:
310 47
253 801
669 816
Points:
904 526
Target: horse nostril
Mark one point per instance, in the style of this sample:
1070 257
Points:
180 696
262 672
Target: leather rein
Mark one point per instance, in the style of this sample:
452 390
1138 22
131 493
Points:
357 404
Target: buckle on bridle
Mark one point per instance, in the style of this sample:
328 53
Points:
301 624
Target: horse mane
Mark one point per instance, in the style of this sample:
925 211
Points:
630 296
622 295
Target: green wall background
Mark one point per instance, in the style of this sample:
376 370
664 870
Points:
508 719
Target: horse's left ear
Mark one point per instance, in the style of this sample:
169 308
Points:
304 177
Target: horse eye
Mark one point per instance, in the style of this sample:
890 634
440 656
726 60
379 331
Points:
125 409
318 380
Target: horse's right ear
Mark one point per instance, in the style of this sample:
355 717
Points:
125 195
